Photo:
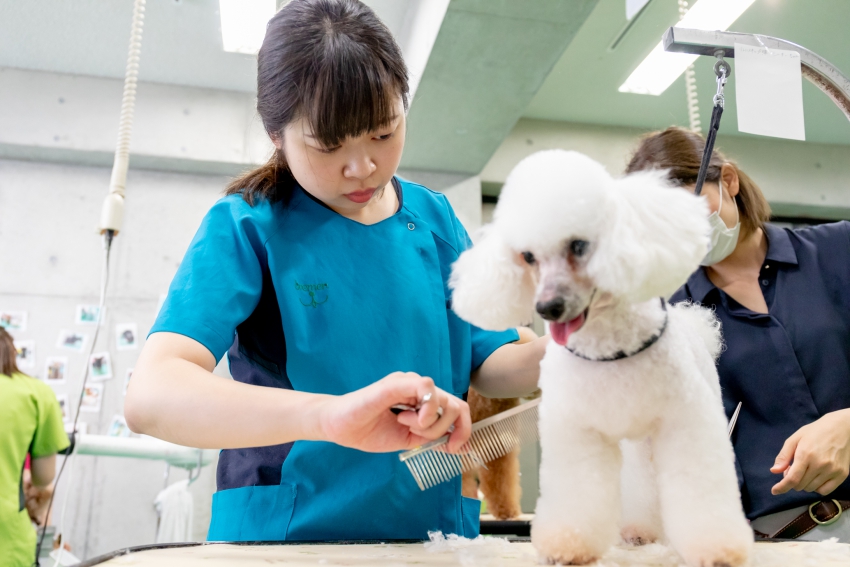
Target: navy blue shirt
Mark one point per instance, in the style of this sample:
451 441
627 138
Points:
788 367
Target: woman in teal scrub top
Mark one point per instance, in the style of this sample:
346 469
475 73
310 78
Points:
347 265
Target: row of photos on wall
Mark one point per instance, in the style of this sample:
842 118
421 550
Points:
56 368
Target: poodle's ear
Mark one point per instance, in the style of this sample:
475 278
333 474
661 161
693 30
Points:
654 237
490 289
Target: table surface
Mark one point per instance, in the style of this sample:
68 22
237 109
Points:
486 551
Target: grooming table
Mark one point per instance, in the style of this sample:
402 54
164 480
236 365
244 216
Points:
497 552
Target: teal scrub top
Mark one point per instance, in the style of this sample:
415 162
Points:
357 302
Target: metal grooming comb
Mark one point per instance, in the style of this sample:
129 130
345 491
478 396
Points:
491 438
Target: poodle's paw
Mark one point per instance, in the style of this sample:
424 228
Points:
716 556
562 546
504 510
635 534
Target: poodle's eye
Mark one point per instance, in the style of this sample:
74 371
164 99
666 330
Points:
528 257
578 248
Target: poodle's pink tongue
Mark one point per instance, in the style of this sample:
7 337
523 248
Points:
561 331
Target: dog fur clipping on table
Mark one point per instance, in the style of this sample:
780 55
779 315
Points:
629 382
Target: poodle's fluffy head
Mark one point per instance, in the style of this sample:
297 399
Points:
566 233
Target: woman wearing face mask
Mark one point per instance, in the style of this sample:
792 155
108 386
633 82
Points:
782 298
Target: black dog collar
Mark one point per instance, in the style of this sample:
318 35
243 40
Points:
647 343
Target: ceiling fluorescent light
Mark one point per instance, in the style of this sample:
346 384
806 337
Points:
243 24
660 69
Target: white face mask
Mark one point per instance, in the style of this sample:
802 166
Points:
723 239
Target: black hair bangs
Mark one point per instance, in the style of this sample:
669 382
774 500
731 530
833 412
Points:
351 92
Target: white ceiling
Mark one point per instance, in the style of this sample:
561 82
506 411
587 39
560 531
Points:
181 43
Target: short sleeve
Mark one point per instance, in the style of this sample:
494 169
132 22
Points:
220 280
50 436
483 343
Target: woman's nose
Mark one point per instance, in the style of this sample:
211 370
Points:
359 167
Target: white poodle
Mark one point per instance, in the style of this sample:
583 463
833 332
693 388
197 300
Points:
626 376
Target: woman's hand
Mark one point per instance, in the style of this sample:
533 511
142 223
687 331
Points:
820 453
363 420
36 499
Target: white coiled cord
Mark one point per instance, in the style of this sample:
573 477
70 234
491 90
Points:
691 83
112 213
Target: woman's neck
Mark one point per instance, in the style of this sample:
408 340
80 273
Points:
743 262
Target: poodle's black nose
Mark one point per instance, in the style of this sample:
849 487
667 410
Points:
551 310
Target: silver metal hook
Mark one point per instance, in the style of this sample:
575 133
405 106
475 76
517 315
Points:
723 71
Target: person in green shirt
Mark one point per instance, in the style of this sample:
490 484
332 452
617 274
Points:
31 423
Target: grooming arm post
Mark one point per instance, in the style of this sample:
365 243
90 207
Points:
820 72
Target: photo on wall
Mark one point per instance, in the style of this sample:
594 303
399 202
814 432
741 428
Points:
25 354
126 336
118 427
100 367
63 405
92 398
13 320
71 340
87 314
56 370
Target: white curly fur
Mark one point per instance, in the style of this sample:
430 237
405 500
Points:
657 414
490 285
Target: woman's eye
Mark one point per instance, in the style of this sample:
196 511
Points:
579 248
528 257
327 150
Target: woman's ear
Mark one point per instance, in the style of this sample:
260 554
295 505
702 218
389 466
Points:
654 238
277 140
729 175
490 288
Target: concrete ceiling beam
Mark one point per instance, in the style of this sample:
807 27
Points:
488 62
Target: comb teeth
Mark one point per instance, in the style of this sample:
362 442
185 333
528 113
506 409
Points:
491 438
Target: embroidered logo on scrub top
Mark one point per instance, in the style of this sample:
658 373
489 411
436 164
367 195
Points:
317 292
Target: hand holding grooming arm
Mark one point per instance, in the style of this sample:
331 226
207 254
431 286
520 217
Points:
174 396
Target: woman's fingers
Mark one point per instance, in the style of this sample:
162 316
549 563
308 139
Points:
786 455
792 478
816 482
830 485
437 415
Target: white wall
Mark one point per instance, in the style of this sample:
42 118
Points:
51 259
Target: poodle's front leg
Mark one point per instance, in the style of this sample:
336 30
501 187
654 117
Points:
700 503
579 506
641 521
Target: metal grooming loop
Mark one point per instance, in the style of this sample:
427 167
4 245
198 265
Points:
820 72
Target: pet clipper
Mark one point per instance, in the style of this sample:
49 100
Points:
491 438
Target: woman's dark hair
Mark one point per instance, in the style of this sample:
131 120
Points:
679 151
331 62
8 354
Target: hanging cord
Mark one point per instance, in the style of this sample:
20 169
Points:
691 83
111 218
104 280
722 70
112 214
